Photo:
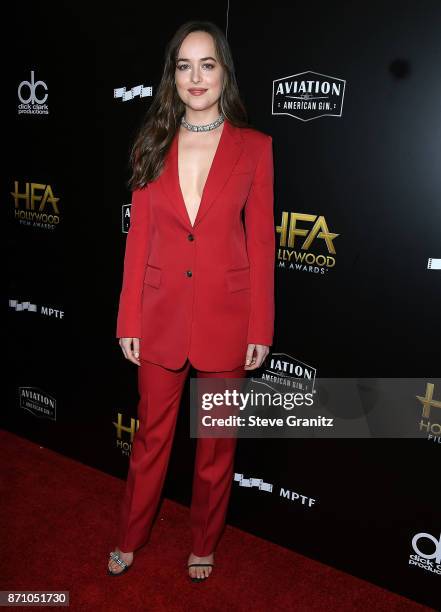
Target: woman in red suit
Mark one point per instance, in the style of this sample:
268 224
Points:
198 282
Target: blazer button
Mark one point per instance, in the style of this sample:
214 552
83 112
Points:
190 237
189 273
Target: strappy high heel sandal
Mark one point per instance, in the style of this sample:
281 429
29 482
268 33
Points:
195 579
115 556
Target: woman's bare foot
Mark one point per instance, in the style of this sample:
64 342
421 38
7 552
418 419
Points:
125 556
200 572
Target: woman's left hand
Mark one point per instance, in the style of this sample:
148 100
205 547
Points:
256 353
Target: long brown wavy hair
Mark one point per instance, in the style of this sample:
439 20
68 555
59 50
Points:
164 114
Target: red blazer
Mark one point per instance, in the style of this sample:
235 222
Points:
204 291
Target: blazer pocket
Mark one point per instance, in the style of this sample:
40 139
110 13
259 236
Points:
238 279
152 276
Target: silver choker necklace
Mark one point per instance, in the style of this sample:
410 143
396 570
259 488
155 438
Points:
203 128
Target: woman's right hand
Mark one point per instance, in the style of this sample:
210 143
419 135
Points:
130 349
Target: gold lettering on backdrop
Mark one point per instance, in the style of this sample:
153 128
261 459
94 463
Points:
306 258
31 196
427 401
290 231
319 230
134 426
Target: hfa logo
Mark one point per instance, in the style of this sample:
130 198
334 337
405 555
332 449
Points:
40 205
32 95
429 561
308 95
430 421
127 432
317 233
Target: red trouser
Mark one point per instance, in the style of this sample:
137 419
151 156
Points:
160 393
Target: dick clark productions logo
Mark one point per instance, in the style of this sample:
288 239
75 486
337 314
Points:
32 96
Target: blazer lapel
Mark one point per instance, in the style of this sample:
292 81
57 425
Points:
228 151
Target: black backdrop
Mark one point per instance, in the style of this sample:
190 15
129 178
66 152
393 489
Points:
371 171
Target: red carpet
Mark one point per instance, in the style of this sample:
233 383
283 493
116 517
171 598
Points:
58 527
